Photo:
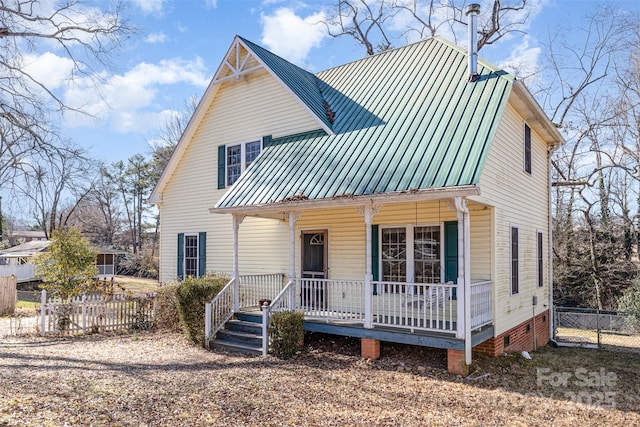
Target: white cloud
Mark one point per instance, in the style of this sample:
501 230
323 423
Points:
156 38
48 69
150 6
126 102
291 36
211 3
524 61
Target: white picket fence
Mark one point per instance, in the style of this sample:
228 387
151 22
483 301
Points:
86 314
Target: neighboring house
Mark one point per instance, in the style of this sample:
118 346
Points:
406 201
16 260
25 236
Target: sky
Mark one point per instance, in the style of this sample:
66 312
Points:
180 44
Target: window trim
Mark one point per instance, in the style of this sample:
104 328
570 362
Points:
526 133
104 266
184 256
410 260
540 257
243 156
513 227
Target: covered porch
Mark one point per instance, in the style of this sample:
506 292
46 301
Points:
413 284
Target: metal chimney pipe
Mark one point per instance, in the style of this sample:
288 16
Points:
473 10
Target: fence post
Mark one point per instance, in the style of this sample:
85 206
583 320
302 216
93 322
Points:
207 323
265 328
84 314
598 325
43 310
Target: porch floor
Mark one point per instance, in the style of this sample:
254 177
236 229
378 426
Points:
402 335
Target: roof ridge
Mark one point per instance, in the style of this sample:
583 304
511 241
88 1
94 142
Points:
488 64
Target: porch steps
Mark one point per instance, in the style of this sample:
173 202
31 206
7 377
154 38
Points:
242 334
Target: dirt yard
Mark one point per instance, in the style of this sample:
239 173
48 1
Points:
158 379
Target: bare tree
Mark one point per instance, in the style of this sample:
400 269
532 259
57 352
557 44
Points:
54 185
376 23
80 33
99 215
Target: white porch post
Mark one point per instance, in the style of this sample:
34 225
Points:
464 270
237 220
368 212
293 216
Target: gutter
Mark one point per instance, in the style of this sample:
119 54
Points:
379 199
555 138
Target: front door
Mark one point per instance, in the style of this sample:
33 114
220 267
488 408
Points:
314 266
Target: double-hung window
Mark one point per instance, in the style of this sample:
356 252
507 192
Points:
527 149
239 157
540 266
192 254
410 254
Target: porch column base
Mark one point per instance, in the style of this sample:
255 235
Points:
370 348
456 362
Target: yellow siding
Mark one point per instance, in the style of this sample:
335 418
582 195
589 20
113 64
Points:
518 199
346 238
243 109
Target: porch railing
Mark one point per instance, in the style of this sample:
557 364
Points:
218 311
330 299
254 288
481 309
417 306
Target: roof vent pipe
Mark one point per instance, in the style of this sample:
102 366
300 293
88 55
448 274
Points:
473 10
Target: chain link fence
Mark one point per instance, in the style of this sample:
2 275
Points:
594 328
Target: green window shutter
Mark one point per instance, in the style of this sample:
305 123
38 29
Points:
222 173
266 141
375 257
202 254
181 256
451 253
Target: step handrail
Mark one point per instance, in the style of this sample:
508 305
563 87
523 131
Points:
218 311
266 311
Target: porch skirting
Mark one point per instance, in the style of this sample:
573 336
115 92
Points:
519 338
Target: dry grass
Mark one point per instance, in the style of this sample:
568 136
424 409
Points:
159 379
136 284
623 341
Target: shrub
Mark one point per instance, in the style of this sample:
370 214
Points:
630 301
286 333
192 295
167 315
69 265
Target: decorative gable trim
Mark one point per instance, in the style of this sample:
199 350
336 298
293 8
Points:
238 61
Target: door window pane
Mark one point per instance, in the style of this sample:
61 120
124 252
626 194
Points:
426 254
394 254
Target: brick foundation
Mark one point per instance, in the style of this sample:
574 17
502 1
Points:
370 348
456 363
520 339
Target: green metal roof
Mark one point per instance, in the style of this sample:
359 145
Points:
405 120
